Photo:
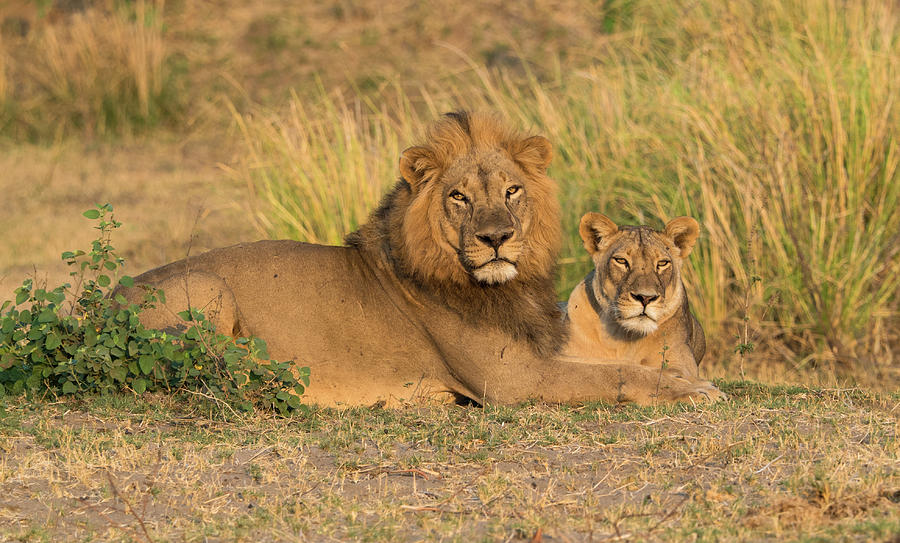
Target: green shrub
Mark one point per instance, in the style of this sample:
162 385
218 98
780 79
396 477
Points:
88 340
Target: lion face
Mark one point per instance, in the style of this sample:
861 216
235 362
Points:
484 214
482 207
638 270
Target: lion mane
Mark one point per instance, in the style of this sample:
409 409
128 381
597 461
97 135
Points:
404 232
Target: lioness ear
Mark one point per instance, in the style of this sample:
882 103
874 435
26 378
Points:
415 165
595 230
533 154
684 232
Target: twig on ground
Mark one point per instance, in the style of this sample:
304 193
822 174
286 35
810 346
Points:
131 510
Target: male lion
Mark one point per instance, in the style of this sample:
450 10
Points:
445 293
632 307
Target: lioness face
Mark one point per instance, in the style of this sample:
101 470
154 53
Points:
638 270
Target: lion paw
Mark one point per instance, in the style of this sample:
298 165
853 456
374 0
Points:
701 392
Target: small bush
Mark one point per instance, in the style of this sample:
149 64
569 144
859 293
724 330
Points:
88 340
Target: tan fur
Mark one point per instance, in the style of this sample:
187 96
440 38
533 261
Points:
634 265
445 293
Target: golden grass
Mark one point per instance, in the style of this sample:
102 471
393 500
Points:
775 124
103 71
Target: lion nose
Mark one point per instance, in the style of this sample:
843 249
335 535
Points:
644 298
495 238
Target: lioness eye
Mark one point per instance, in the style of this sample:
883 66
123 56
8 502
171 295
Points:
458 196
512 190
621 261
662 264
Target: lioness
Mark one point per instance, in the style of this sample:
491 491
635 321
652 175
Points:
632 307
446 292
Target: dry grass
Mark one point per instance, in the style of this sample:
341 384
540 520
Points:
776 464
105 71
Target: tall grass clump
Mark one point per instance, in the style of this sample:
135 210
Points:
320 175
774 123
103 71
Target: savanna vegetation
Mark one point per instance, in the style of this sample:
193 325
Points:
774 123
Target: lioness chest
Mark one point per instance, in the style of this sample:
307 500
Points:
592 337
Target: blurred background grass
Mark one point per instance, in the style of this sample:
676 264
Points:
774 123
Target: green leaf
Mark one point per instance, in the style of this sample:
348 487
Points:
21 296
103 280
92 214
119 373
121 300
47 315
52 342
233 356
139 385
6 361
69 388
33 381
6 304
146 363
111 266
126 281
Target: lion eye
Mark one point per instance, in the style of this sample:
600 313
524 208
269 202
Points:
513 190
458 196
662 264
621 261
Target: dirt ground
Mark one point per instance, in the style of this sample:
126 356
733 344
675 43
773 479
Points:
773 465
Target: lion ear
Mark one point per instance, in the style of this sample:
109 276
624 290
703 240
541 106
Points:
415 165
595 230
684 232
533 154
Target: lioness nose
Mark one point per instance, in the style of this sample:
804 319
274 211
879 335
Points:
495 238
644 298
